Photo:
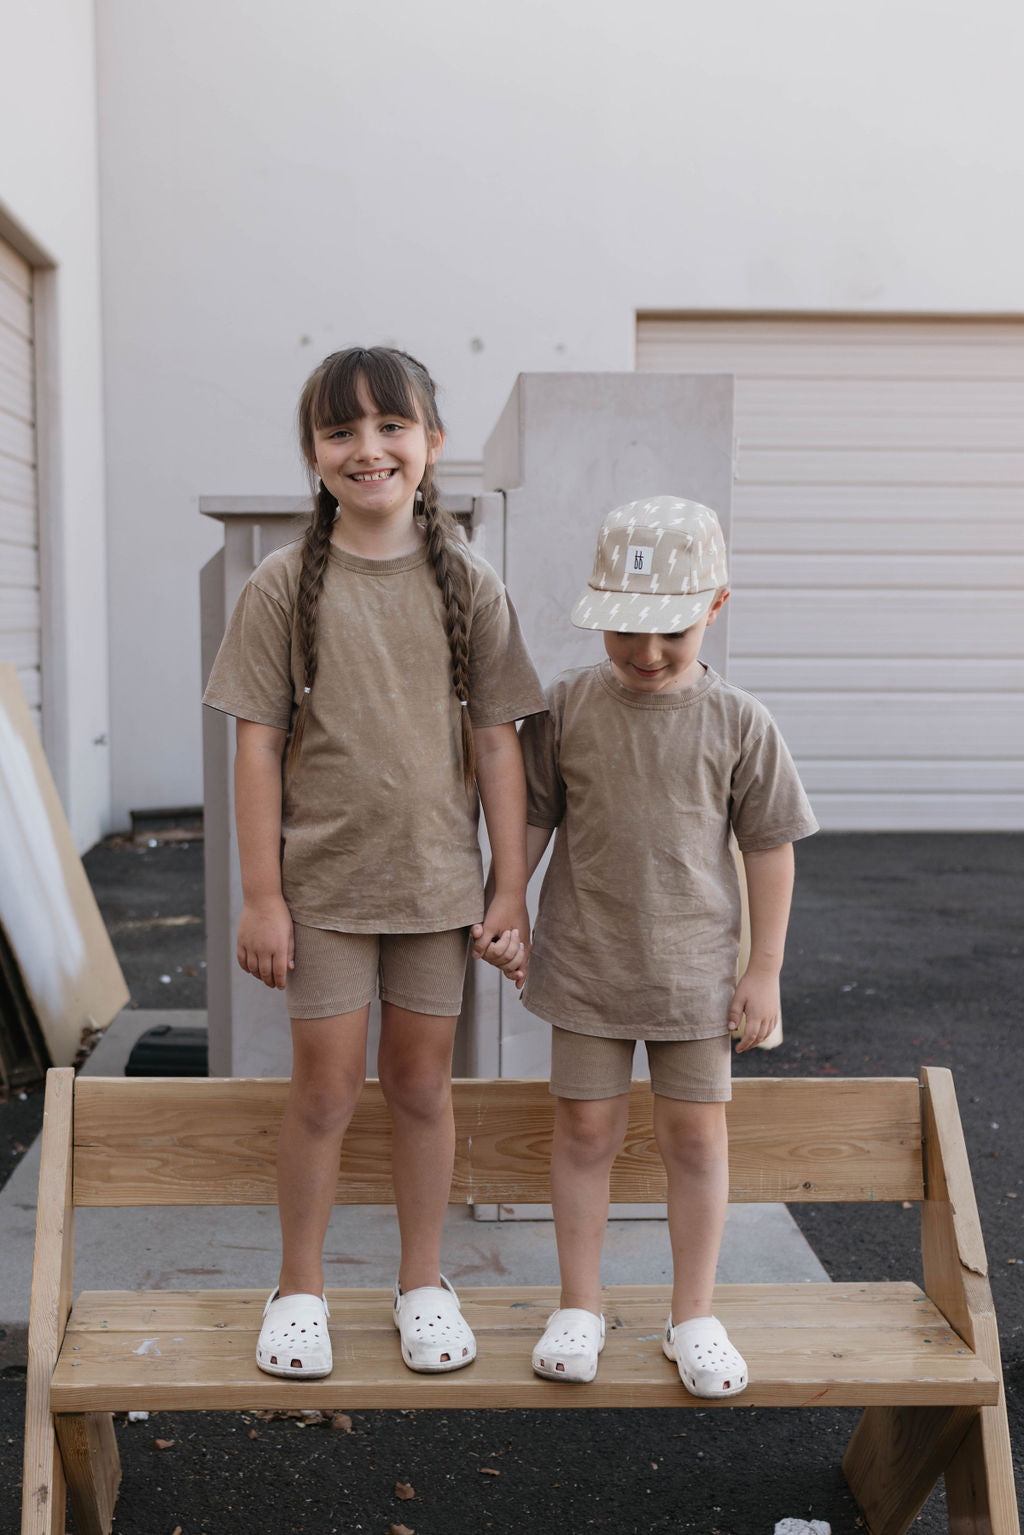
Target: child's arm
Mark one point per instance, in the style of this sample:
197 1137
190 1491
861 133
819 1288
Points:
266 944
502 784
769 892
507 951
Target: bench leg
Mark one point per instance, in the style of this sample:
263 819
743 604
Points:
92 1468
979 1479
896 1456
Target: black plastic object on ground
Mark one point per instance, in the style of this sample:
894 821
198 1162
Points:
165 1051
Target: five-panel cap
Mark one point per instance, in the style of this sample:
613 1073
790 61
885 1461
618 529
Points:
658 566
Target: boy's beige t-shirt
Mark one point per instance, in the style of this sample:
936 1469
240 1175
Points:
639 920
378 832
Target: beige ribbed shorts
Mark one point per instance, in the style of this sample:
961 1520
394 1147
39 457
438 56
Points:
340 972
693 1070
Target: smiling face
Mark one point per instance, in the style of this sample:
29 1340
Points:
373 462
660 663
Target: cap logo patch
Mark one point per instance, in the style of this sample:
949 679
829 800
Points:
639 559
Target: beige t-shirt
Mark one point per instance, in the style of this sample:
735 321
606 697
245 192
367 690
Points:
639 918
378 832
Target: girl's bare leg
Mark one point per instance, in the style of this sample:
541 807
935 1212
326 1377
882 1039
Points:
587 1135
693 1142
328 1071
415 1068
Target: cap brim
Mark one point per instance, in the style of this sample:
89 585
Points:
639 612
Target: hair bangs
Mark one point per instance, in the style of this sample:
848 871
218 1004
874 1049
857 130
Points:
386 382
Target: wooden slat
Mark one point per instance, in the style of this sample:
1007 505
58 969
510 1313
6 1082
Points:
895 1458
213 1142
804 1344
43 1478
980 1490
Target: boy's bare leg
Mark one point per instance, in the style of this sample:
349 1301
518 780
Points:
415 1067
587 1135
328 1071
693 1142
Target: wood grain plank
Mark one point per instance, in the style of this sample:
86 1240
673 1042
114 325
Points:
92 1467
896 1456
44 1488
980 1487
124 1350
169 1142
863 1305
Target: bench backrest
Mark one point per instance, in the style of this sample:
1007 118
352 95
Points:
198 1141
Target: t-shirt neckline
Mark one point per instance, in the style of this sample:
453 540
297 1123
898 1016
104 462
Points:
362 562
680 700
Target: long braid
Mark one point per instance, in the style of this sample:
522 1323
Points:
441 543
315 550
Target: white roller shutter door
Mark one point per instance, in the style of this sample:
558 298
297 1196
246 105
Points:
878 555
19 518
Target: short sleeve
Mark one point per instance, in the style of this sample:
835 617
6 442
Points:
503 684
545 788
251 677
768 806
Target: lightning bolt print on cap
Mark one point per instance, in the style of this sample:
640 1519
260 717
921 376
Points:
657 568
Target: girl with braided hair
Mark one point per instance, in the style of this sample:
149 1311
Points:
376 670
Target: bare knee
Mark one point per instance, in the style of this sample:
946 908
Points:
694 1142
589 1131
416 1090
322 1106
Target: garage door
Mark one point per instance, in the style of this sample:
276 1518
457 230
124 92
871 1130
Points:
19 520
878 555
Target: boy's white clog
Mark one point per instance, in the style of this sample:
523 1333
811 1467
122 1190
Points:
570 1345
435 1336
708 1364
294 1339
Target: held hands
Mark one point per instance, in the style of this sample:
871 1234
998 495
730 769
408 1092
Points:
757 996
266 942
503 938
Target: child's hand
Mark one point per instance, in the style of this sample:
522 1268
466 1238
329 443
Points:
507 952
266 942
757 996
503 938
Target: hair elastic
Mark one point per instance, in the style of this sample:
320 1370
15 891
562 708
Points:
463 702
307 690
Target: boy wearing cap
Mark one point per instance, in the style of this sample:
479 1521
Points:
642 767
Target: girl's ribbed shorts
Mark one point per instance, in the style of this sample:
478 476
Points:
340 972
692 1070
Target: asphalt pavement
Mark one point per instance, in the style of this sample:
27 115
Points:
904 950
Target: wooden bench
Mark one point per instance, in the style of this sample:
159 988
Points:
924 1365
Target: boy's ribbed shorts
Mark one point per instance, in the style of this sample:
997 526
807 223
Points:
340 972
692 1070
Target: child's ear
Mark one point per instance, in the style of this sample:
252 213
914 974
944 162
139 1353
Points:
435 442
718 604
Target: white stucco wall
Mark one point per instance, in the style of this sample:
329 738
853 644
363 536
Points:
49 188
498 188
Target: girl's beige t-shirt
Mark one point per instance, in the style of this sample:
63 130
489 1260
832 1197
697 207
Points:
379 834
638 927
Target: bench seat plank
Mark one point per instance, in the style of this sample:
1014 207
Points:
179 1350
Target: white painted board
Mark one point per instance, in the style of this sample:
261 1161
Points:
47 909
